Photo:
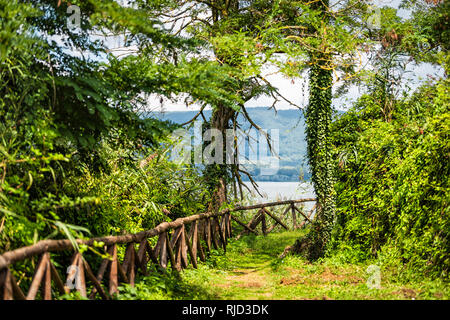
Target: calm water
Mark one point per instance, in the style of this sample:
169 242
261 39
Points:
274 191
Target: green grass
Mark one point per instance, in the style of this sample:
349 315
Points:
251 269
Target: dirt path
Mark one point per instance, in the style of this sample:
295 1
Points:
252 283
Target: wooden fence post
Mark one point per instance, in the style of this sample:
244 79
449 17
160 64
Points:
201 252
47 283
171 255
294 217
101 272
263 223
5 284
95 281
191 251
113 273
37 279
81 285
207 225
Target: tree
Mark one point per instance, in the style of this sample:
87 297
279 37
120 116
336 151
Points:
232 31
71 112
326 44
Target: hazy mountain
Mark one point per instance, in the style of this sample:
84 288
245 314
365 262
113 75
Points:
292 143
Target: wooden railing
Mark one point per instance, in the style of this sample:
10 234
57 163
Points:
175 243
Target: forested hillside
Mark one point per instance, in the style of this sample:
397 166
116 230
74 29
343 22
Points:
292 144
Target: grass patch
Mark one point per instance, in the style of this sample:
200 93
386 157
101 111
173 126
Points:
251 269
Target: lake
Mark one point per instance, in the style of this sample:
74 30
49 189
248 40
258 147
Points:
275 191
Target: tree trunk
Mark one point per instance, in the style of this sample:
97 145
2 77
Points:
318 122
218 174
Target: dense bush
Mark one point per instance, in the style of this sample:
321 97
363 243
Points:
72 142
393 180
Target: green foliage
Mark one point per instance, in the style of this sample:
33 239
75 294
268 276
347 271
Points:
28 157
166 285
427 35
133 194
72 142
77 158
252 270
393 187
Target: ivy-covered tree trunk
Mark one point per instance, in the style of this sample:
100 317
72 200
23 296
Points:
318 128
318 123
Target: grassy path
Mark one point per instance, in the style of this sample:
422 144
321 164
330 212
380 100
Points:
251 270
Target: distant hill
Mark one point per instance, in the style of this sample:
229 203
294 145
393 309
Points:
292 143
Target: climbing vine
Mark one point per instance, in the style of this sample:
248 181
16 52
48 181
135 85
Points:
318 122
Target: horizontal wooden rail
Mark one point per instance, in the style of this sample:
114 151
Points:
42 246
272 204
180 248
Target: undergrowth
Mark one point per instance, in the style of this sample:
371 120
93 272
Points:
251 269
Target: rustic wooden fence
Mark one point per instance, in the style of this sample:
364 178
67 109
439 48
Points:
175 243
